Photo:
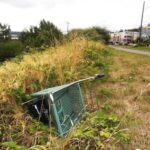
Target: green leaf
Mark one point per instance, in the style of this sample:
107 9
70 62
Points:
13 146
100 144
105 134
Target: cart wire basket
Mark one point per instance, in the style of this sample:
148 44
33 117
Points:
61 106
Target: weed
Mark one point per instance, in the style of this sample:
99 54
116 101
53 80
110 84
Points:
97 131
40 70
104 94
107 107
20 95
12 145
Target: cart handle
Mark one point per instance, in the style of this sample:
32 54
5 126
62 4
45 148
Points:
97 76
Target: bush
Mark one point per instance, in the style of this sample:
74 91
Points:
12 145
4 32
94 33
42 36
98 131
10 49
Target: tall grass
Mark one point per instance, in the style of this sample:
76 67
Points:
34 72
52 67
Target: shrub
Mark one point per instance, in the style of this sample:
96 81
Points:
12 145
98 131
10 49
94 33
4 32
45 35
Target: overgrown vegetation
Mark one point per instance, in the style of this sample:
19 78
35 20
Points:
38 37
98 131
10 49
122 121
34 72
4 32
94 33
44 35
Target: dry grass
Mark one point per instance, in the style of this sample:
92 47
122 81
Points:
129 81
64 60
32 73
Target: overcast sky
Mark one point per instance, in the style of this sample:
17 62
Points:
112 14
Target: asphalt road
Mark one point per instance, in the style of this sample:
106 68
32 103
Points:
131 51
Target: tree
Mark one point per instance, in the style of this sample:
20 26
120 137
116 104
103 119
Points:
8 48
47 34
103 33
4 32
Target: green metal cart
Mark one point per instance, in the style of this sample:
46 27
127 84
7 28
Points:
62 105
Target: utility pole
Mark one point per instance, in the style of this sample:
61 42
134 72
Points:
140 36
68 23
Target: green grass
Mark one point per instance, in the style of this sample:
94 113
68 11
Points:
129 81
98 130
10 49
142 48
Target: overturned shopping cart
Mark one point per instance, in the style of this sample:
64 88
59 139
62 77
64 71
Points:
62 105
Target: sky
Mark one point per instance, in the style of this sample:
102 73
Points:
111 14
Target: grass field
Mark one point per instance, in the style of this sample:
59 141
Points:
130 85
125 93
142 48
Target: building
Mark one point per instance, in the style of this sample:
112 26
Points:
124 37
15 35
114 37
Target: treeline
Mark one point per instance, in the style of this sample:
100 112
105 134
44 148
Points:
45 35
